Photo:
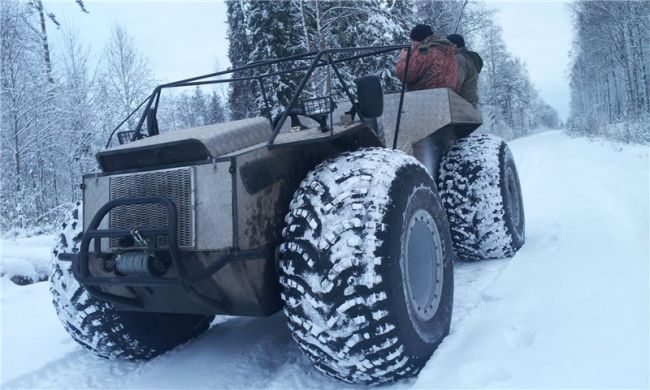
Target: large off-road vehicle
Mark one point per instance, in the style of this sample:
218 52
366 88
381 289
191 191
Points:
348 216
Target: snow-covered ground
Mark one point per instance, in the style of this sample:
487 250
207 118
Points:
26 257
569 310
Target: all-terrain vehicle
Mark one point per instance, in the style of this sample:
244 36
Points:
349 218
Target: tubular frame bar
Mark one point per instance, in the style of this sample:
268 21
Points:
401 96
316 58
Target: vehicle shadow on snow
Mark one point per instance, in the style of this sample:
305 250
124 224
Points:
238 353
235 353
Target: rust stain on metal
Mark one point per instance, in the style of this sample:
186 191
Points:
264 217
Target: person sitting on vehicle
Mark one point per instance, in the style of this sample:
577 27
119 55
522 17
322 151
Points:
432 63
469 66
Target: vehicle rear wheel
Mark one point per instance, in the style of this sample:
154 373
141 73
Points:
97 326
366 267
480 190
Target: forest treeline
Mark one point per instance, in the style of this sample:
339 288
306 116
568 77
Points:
511 105
610 73
59 104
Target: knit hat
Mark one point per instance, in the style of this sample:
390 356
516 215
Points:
457 40
420 32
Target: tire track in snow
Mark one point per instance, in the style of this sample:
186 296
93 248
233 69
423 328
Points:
471 280
78 369
237 353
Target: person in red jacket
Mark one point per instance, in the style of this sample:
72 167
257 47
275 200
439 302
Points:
432 63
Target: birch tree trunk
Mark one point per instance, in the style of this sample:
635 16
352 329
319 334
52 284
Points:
38 5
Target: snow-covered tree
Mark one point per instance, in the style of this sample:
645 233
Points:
37 7
57 111
274 32
510 103
198 107
277 29
125 79
365 23
610 74
28 101
241 99
463 17
79 121
179 109
216 112
403 14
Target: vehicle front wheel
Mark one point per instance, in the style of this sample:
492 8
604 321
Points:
366 267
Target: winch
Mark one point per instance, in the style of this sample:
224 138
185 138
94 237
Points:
140 263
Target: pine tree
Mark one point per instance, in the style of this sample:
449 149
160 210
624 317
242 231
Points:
275 33
377 27
335 24
198 109
402 13
241 99
183 109
216 112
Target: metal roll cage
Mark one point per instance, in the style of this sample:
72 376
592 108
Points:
320 58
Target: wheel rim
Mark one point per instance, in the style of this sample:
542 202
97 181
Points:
514 199
422 265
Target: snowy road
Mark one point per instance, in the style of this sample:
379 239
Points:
569 310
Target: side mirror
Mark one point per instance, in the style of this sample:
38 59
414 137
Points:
371 97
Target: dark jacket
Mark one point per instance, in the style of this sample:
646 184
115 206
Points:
469 66
432 65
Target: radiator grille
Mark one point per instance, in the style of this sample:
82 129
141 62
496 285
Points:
176 184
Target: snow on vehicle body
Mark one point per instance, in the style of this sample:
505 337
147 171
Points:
192 223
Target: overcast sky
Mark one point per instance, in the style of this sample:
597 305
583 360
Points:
188 38
540 33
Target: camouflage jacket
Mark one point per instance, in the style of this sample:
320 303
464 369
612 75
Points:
432 65
469 66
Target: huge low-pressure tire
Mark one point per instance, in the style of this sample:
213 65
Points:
97 326
480 191
366 267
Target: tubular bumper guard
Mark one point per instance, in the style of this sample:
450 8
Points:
81 268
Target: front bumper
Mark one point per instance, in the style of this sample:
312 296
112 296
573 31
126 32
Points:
236 282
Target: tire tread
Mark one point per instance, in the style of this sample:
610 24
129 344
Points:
335 303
